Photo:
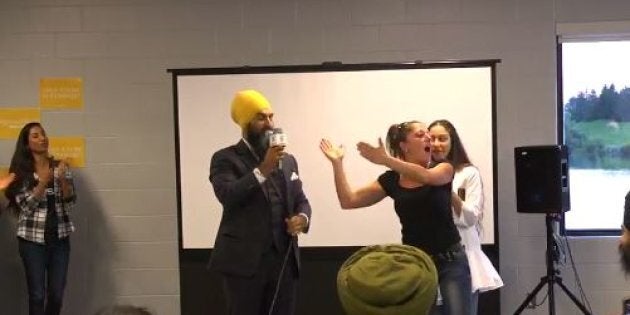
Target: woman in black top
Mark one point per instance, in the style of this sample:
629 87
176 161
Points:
421 199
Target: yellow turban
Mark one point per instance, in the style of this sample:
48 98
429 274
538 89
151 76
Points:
246 105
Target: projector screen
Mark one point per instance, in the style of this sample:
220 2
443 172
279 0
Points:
346 104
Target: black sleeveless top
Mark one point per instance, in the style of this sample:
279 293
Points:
424 213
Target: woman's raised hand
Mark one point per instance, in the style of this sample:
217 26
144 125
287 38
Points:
377 155
331 151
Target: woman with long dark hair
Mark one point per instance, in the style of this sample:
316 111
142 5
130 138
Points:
467 203
41 195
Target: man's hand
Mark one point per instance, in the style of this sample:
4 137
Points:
273 155
295 224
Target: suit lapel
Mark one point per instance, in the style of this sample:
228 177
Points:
247 156
287 170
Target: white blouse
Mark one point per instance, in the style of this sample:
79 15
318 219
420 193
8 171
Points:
483 274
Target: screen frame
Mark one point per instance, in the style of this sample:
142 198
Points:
335 67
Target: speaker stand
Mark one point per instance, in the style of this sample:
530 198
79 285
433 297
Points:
552 277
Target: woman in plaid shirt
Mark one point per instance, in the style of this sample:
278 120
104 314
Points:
42 195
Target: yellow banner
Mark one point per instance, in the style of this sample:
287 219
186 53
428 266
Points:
61 93
70 149
13 119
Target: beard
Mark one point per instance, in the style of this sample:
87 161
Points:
624 258
259 140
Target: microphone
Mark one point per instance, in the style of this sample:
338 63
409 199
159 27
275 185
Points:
278 138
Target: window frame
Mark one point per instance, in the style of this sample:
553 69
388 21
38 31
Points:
589 32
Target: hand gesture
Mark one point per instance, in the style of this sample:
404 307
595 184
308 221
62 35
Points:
377 155
63 167
332 152
44 175
270 162
295 224
5 181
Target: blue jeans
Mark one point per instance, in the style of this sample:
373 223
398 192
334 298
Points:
455 285
46 267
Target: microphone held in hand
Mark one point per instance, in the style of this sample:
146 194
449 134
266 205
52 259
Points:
278 138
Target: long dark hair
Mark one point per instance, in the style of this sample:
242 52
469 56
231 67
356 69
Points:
457 155
396 134
22 164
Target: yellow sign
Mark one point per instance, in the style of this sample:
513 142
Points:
61 93
70 149
13 119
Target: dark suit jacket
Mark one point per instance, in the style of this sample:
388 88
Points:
245 229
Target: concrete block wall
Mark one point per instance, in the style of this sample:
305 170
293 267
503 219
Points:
125 249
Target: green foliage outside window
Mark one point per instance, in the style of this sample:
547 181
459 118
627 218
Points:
597 129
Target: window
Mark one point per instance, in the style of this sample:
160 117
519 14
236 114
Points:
595 125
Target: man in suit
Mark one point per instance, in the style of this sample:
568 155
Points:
624 240
264 210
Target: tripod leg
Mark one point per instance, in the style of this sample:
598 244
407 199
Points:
571 296
532 295
552 299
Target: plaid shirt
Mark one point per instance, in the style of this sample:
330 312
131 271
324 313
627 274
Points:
32 218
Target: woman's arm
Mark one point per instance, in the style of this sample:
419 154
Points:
5 181
352 199
439 175
349 198
28 199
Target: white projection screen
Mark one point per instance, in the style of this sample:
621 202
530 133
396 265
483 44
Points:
346 104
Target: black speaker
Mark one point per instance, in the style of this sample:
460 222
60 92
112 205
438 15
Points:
542 179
